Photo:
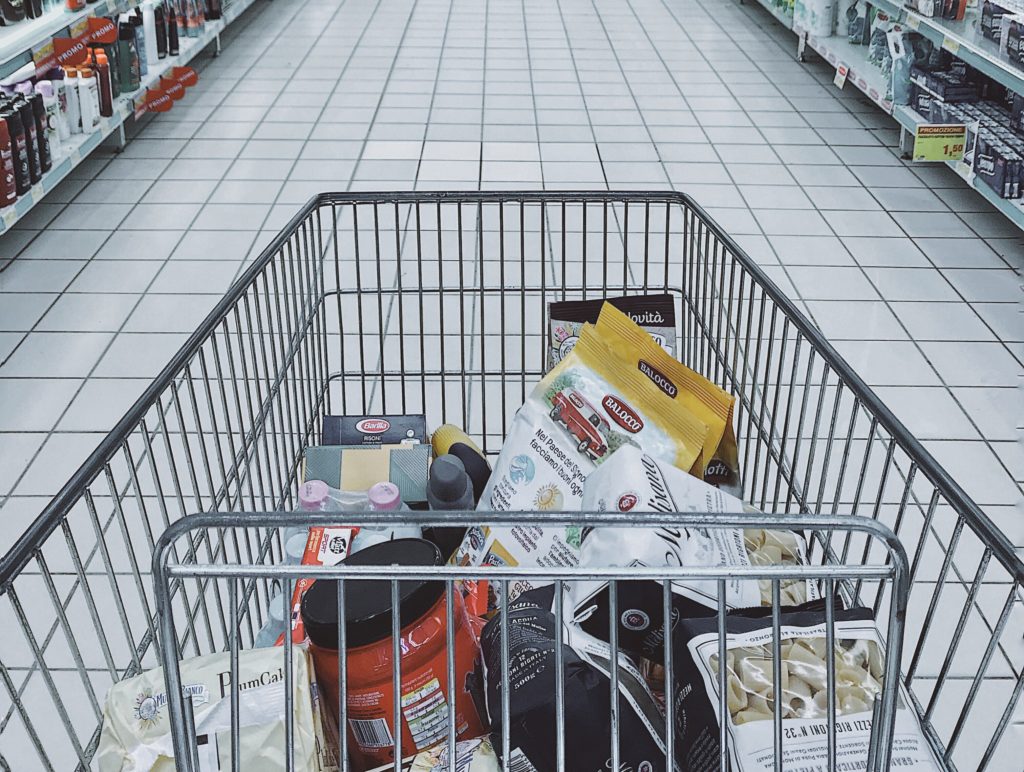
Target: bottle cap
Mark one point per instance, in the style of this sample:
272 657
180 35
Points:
101 57
384 497
448 479
312 494
45 88
25 87
84 72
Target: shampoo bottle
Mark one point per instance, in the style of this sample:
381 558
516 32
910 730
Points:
60 90
74 103
8 185
46 92
160 17
12 10
140 40
42 131
128 56
149 30
28 120
172 30
106 90
19 148
89 99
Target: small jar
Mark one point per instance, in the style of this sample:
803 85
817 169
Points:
370 696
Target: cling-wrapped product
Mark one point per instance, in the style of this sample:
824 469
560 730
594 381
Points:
712 405
750 701
636 482
581 413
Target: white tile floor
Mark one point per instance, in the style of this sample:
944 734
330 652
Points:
913 276
910 274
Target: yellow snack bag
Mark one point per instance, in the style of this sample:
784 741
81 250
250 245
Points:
591 404
713 406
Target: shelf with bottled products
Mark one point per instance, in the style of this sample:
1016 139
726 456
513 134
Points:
73 150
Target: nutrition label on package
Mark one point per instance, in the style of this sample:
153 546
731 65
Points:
426 714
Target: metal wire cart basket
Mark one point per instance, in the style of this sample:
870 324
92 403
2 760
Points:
435 304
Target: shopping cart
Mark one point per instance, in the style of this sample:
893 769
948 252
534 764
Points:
435 303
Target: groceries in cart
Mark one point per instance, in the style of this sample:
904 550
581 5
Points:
655 313
470 756
633 482
136 732
617 425
532 726
803 678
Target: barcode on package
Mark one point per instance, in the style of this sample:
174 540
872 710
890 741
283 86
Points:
372 733
517 762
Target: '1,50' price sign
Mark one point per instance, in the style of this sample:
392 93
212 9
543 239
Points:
940 141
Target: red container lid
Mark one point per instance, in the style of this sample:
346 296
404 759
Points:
368 602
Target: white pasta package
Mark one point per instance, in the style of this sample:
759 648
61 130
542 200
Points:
635 482
588 409
136 735
858 655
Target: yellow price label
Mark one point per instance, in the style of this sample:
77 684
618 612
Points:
10 216
939 141
951 45
913 21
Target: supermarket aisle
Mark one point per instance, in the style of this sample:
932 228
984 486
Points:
910 273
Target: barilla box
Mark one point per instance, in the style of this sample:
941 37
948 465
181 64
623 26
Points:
374 430
326 546
357 467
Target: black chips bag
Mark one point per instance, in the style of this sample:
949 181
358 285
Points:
588 733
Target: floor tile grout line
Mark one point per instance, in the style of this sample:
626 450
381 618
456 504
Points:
886 301
5 497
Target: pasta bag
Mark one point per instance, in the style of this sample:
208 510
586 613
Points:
713 406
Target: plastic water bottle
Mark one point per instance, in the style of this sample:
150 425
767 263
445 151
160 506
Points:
314 496
385 497
274 626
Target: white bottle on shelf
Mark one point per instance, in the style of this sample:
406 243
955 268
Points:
61 90
149 32
89 100
74 100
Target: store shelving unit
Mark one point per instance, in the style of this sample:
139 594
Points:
81 145
17 40
962 39
864 76
1012 208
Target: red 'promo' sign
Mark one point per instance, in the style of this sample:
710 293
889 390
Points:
172 88
157 101
186 76
74 50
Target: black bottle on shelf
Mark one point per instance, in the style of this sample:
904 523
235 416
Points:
160 18
214 9
28 120
172 31
42 138
19 147
33 8
12 10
